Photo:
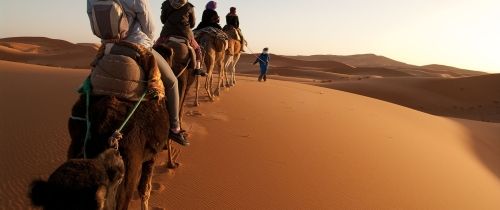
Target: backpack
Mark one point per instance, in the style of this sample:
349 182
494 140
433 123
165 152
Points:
108 20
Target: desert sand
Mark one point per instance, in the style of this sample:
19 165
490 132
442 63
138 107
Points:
282 144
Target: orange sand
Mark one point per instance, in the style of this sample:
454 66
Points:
276 145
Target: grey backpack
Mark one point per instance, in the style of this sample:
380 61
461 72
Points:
108 20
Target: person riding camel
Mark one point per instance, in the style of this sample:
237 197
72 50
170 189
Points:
140 32
178 19
210 18
232 20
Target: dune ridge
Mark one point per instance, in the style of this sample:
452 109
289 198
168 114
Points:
47 52
475 98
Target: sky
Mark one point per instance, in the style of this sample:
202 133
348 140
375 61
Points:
460 33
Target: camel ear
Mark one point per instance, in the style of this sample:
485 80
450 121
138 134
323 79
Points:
165 52
39 193
113 163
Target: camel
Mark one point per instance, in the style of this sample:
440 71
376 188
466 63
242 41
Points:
180 58
143 137
81 184
214 51
233 54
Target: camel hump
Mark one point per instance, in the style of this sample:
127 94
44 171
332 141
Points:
231 32
211 31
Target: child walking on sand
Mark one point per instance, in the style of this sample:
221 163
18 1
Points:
263 60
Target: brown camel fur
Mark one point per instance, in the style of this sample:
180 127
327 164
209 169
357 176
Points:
144 137
213 56
233 54
179 57
89 184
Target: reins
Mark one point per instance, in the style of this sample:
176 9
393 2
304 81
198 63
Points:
254 54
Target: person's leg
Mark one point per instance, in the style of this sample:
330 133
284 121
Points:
172 93
242 41
261 74
197 49
265 74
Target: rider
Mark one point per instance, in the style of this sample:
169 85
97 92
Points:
210 18
233 20
178 19
141 33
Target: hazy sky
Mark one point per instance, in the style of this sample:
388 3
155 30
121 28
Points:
461 33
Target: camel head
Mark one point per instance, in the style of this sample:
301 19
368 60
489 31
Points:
166 52
81 184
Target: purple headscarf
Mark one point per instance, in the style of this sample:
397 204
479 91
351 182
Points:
211 5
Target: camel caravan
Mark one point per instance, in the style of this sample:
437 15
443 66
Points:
130 106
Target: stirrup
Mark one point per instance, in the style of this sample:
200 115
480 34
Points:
199 72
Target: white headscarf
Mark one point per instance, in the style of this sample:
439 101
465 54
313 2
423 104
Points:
176 4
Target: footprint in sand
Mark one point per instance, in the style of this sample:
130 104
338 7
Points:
219 117
157 188
164 169
194 113
158 208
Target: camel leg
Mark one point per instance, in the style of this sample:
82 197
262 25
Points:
208 86
183 83
220 66
133 167
144 187
196 102
170 162
208 81
233 69
228 65
219 83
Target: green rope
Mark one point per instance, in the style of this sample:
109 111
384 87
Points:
132 112
85 89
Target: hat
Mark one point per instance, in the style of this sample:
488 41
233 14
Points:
176 4
211 5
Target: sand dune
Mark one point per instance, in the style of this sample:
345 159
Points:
371 60
360 60
47 52
476 98
33 133
274 145
281 65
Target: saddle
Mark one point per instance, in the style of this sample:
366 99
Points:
126 70
232 32
163 43
214 32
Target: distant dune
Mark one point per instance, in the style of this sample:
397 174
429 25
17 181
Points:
476 98
47 52
372 60
360 60
281 65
